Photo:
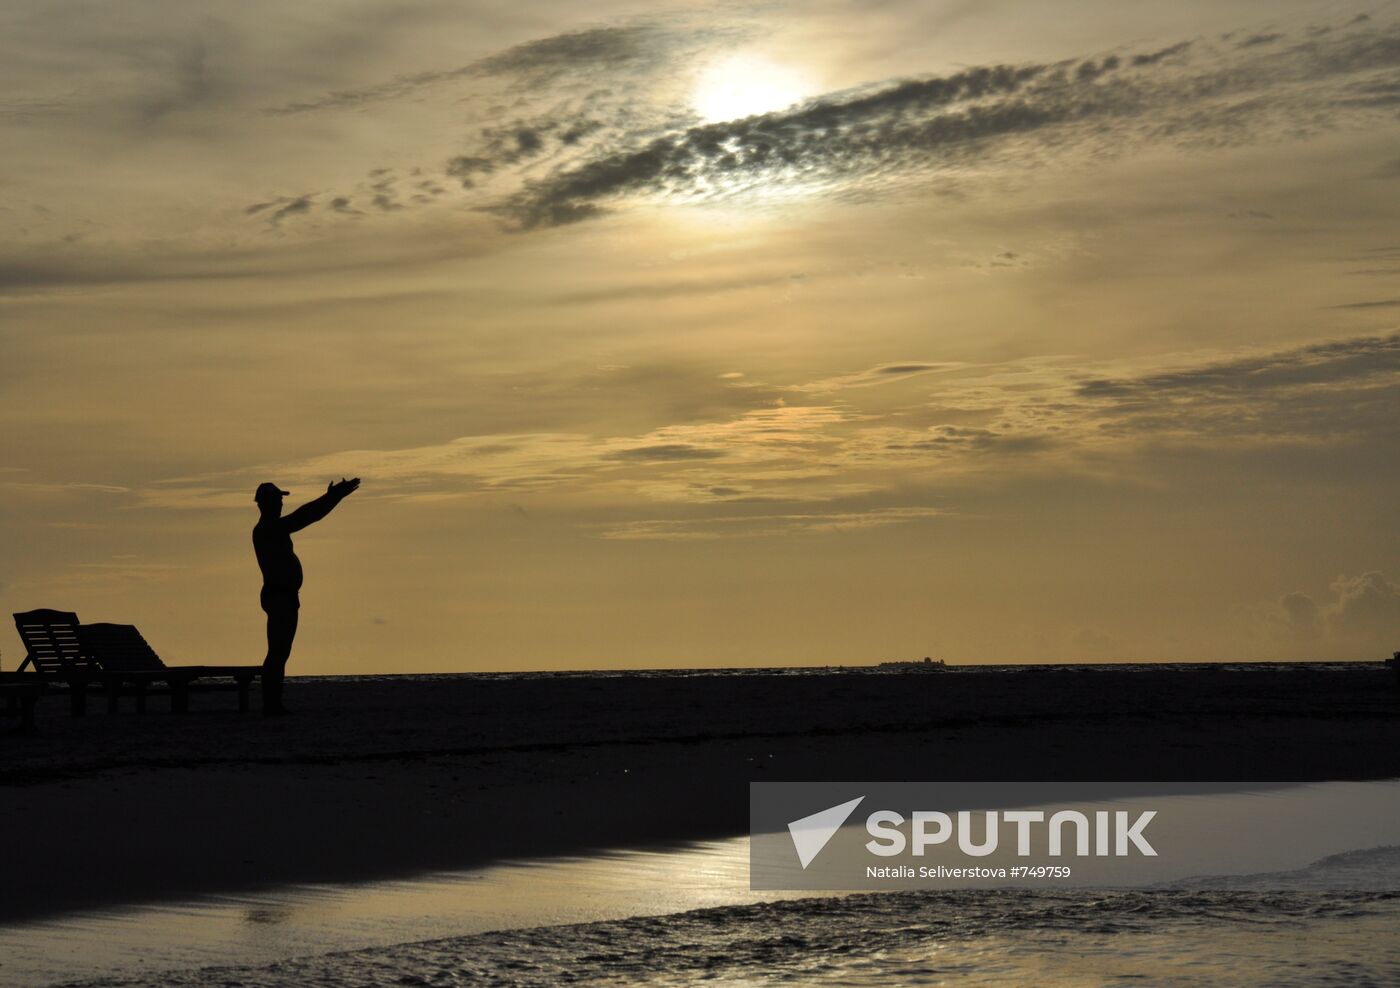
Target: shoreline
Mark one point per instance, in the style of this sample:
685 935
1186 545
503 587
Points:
383 778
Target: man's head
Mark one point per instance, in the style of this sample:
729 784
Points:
269 496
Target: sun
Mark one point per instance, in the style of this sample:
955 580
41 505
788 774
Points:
743 85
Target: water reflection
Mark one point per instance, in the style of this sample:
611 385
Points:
268 915
303 921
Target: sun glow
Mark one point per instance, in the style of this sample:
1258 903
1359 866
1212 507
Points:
743 85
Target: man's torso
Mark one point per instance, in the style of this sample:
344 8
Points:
280 567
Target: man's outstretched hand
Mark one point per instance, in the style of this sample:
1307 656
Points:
343 488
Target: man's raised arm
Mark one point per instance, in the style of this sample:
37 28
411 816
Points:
315 510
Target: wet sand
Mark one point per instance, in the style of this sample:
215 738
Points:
390 777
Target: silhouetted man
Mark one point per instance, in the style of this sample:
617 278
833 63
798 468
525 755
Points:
281 573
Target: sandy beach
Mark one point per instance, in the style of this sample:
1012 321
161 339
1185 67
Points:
394 776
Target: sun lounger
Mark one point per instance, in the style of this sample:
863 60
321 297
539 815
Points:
115 655
51 639
121 651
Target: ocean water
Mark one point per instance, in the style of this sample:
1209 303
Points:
1318 908
874 669
1162 937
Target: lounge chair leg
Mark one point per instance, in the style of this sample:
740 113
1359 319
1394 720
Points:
77 697
140 698
179 698
113 691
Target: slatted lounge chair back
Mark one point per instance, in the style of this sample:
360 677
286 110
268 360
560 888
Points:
51 638
118 648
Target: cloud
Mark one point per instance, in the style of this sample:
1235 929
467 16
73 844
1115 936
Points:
1302 615
61 495
30 108
961 439
280 208
985 115
786 145
666 451
540 61
77 266
1364 610
191 85
769 453
384 190
609 47
123 572
677 289
1366 605
583 149
988 424
1328 397
1096 642
1153 57
1321 363
1387 303
757 526
520 141
883 374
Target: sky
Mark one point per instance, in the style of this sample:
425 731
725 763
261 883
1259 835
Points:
739 334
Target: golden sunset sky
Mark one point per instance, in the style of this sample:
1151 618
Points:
678 335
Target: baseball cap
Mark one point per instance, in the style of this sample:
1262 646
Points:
268 489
